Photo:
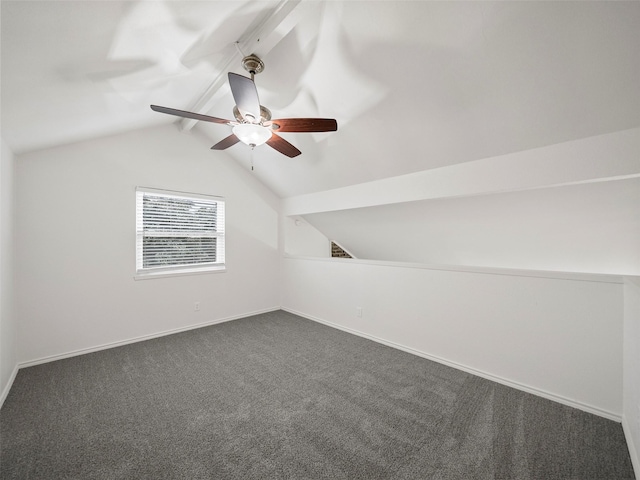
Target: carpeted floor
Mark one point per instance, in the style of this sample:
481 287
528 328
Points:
276 396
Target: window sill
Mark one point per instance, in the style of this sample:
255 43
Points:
178 273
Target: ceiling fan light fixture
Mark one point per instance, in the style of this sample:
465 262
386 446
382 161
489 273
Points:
252 134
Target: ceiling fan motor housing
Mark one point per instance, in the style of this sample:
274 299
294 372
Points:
252 64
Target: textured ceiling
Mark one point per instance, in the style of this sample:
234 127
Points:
413 85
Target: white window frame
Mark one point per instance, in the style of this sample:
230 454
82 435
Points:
180 230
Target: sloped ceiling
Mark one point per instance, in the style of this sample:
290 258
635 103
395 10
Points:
414 85
591 227
497 103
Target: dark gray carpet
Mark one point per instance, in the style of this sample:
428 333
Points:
277 396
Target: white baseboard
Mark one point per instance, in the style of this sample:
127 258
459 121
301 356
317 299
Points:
464 368
82 351
504 381
7 387
633 448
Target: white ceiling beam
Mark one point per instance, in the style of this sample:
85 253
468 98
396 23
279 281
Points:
271 29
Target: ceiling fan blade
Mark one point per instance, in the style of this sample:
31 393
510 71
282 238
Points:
194 116
305 125
245 95
227 142
284 147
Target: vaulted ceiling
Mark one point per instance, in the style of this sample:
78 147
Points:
414 85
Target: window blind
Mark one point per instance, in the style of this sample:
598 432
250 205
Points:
177 230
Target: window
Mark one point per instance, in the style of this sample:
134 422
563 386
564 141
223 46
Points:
178 232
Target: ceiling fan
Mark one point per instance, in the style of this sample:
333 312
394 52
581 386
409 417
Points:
253 124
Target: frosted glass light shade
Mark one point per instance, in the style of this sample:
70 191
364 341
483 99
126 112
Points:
252 134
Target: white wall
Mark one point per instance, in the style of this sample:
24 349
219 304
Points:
75 207
8 327
559 336
631 369
303 239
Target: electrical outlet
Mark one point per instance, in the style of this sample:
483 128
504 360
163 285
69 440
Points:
196 307
359 312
